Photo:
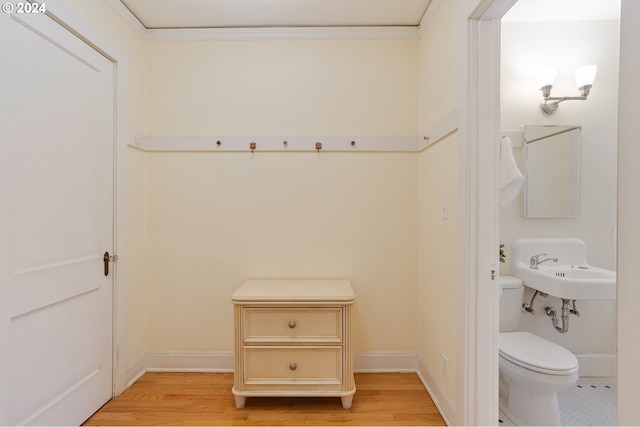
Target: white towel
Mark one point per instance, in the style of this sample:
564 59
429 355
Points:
511 179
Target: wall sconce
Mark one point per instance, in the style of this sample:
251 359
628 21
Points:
546 77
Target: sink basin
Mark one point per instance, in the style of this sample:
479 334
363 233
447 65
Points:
571 277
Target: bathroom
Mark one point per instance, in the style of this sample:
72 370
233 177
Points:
529 43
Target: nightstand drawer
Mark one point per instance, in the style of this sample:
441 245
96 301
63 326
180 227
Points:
288 325
293 366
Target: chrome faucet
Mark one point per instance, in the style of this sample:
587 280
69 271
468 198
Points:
536 261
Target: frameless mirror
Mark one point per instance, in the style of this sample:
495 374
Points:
552 171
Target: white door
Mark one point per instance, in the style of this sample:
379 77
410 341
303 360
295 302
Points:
56 222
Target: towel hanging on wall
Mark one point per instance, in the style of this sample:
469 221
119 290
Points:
511 179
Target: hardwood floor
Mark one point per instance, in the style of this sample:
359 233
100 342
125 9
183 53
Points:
163 398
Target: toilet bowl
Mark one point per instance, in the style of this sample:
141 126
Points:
532 369
532 372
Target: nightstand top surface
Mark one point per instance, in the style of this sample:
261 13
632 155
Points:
293 290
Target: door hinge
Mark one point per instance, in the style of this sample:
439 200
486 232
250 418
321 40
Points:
493 274
107 259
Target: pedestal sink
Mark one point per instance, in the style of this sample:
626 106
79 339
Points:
562 271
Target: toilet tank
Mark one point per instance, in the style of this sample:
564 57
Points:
510 303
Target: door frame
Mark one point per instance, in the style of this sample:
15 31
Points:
65 17
478 300
477 339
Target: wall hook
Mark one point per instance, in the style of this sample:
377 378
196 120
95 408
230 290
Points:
318 146
353 143
252 146
218 143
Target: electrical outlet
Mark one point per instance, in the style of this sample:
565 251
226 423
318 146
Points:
445 209
445 366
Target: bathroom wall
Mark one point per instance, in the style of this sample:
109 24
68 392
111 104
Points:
437 292
133 49
526 47
218 219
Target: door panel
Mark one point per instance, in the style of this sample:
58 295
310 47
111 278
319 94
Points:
56 221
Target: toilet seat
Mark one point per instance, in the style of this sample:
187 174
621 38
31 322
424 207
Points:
537 354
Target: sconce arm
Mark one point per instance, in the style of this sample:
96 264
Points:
549 105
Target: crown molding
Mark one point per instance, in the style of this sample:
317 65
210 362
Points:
129 18
264 33
284 33
431 11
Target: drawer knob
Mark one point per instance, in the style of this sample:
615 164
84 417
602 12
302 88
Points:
293 366
292 324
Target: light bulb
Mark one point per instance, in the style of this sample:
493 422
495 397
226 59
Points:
585 75
546 76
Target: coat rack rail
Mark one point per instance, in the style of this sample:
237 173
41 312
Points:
278 143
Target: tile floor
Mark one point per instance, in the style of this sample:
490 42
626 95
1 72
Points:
591 402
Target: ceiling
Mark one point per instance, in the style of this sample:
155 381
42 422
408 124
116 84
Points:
191 14
563 10
164 14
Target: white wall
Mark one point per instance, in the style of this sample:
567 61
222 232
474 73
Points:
283 87
437 297
526 47
218 219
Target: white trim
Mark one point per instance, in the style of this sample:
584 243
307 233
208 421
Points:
222 361
129 18
275 143
596 365
446 126
374 361
283 33
628 344
264 33
441 397
429 14
189 361
479 102
73 23
136 369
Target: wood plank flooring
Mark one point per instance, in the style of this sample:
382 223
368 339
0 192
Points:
169 398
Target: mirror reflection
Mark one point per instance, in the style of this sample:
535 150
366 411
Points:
552 171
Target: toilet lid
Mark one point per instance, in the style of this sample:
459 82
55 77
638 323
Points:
537 354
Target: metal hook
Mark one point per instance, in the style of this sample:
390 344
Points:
318 146
252 146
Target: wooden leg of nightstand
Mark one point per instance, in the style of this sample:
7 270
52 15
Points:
346 401
240 401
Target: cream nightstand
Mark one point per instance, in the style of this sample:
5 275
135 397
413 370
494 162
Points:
293 338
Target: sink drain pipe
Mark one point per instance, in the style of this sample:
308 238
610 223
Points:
568 307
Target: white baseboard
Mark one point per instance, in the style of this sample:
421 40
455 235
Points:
443 400
222 361
597 365
136 369
375 361
189 361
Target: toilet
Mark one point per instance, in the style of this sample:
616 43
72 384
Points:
532 369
